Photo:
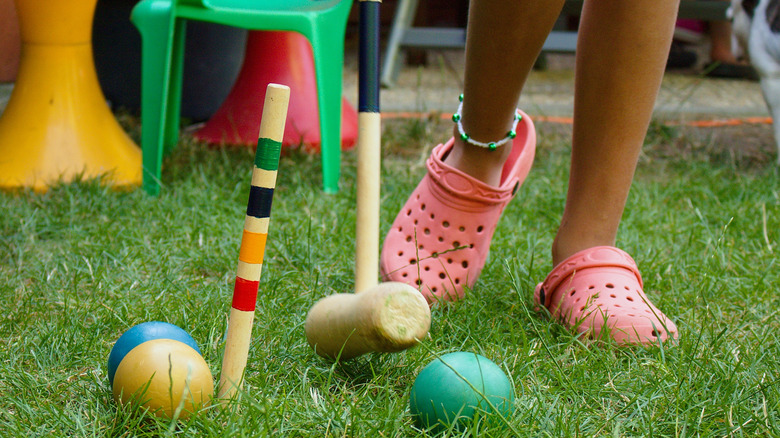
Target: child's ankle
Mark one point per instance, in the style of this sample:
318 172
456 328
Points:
480 163
562 250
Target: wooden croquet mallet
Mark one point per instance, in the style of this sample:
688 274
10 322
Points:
385 317
250 257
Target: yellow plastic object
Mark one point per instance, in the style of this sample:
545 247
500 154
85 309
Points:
57 125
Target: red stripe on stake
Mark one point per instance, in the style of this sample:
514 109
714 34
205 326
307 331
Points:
245 294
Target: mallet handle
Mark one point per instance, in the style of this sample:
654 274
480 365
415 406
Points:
250 257
368 150
385 317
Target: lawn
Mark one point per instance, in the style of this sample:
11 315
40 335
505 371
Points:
82 263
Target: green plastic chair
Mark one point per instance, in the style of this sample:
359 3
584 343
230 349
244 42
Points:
162 27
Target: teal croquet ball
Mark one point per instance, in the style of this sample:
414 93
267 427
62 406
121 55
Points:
456 388
141 333
165 376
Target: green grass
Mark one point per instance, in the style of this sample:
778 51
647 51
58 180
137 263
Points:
81 264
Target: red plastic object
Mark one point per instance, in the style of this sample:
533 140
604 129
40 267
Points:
283 58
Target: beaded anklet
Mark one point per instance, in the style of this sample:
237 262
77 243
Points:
493 145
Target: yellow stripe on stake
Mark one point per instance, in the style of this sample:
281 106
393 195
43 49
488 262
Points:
263 178
249 271
256 225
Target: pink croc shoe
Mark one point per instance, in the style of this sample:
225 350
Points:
600 287
440 239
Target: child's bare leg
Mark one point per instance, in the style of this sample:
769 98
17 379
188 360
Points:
504 39
440 239
621 54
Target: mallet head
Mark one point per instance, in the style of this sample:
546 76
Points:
387 318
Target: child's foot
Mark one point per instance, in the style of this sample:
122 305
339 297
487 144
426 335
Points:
440 239
601 287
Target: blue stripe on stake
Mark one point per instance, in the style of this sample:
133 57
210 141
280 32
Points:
368 68
259 204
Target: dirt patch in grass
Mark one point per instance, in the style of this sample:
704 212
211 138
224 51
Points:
743 146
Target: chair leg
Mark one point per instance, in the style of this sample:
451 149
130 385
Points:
173 107
329 98
404 16
162 53
152 18
328 66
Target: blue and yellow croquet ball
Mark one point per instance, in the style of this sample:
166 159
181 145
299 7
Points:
141 333
457 388
159 369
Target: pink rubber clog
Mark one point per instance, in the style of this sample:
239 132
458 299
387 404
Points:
601 287
440 239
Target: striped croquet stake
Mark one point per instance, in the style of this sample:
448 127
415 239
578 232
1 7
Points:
250 257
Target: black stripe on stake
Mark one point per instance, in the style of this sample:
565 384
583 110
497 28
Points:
368 67
259 204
